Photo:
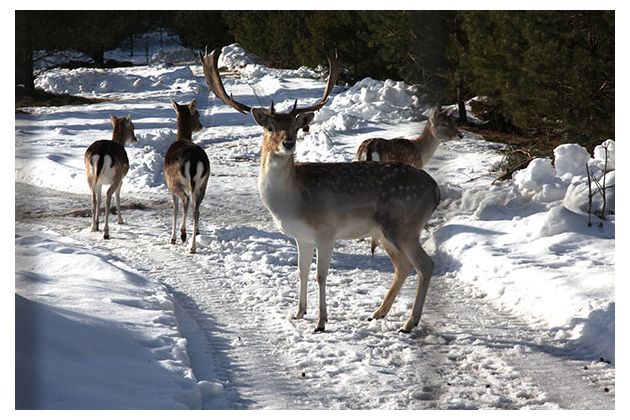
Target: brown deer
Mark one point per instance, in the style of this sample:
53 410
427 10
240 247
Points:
415 152
106 163
186 170
318 203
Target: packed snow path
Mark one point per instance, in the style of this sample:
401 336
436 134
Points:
466 353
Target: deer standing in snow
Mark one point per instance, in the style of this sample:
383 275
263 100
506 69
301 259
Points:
318 203
415 152
106 163
186 170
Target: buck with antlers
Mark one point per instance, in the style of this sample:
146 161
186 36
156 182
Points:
186 170
106 163
317 203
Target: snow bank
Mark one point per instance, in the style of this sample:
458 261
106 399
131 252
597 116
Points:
100 82
539 221
112 340
372 101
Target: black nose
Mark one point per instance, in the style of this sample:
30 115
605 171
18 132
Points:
460 135
288 144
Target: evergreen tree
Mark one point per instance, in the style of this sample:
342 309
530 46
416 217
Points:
346 31
546 68
270 34
200 28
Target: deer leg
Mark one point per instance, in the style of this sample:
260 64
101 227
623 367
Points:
108 201
424 267
182 227
118 213
402 267
305 257
196 202
96 206
324 255
174 231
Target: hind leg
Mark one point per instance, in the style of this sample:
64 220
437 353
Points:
96 206
197 198
108 201
182 227
174 230
118 213
402 267
424 267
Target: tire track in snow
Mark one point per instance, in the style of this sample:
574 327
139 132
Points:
465 354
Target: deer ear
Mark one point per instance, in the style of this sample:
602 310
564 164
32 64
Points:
304 119
174 104
435 111
193 105
112 118
261 116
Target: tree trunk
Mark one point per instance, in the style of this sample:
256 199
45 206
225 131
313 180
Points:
463 118
23 52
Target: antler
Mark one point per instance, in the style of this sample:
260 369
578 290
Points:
334 69
213 79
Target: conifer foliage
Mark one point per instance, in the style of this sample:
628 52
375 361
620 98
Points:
542 70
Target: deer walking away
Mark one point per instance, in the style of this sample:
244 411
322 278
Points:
106 163
319 203
186 170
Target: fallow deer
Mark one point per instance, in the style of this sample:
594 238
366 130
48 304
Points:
186 170
416 152
106 163
318 203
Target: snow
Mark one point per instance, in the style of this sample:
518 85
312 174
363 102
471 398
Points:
136 323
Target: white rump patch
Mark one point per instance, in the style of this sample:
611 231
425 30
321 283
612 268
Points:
186 177
108 173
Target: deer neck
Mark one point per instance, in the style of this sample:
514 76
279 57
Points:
184 128
120 135
426 143
277 183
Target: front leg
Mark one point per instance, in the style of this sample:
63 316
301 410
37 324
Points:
324 255
305 257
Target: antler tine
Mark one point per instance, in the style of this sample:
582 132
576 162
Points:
334 69
213 79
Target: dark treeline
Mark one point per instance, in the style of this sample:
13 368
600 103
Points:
543 70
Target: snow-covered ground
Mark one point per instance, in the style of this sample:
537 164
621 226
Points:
520 312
